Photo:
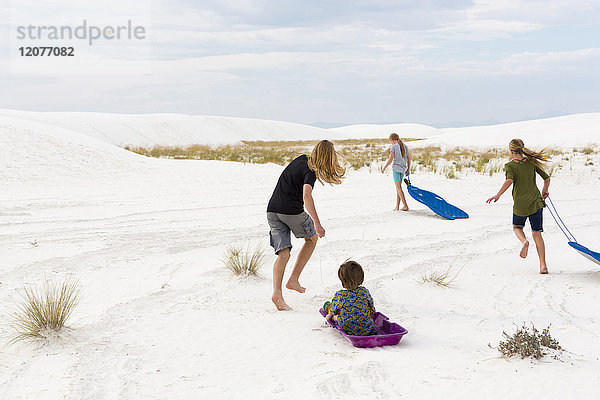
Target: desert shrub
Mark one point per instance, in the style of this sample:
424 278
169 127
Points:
495 167
588 150
442 277
481 163
555 152
553 168
44 312
450 173
528 343
244 259
426 157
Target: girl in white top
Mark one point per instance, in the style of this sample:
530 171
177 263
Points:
400 157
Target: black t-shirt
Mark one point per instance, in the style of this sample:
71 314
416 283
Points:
288 196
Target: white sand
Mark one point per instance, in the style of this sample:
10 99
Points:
170 129
383 131
161 318
565 132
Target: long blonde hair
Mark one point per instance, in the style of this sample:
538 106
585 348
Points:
539 158
394 136
324 163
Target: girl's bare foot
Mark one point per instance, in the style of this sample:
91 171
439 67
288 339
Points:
543 269
295 285
395 209
405 208
524 249
280 303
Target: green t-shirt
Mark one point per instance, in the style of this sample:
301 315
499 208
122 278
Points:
526 195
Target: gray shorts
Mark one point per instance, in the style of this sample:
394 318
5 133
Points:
281 224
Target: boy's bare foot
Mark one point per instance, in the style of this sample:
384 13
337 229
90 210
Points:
405 208
543 269
280 303
295 285
395 209
524 249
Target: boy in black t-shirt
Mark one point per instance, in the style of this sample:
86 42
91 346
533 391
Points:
285 213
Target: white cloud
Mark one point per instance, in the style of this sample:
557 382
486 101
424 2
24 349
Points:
483 29
537 11
525 63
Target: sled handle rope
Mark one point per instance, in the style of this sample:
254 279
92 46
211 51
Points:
560 224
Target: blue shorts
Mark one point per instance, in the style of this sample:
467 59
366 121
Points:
398 176
535 220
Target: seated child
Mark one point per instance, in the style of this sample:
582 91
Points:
351 307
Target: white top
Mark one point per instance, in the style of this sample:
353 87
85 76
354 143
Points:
400 163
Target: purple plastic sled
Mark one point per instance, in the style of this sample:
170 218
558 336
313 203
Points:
390 333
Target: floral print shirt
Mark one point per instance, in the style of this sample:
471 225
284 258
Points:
353 308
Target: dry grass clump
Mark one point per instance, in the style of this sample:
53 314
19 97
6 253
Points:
553 168
588 150
448 162
44 312
450 172
425 158
442 277
244 259
528 343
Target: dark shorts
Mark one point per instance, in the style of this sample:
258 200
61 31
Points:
535 220
282 224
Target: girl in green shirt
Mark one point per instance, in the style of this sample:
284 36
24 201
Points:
528 202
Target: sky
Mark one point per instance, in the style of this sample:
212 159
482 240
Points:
436 62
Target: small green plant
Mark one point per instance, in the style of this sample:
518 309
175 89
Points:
450 173
244 259
44 312
442 277
481 164
528 343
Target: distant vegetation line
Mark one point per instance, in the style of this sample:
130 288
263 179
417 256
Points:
354 152
358 153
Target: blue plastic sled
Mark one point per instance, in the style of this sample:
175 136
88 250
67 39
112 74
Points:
436 203
587 253
581 249
390 333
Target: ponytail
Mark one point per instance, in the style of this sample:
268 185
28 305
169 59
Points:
539 158
394 136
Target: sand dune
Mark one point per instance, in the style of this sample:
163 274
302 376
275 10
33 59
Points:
178 129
